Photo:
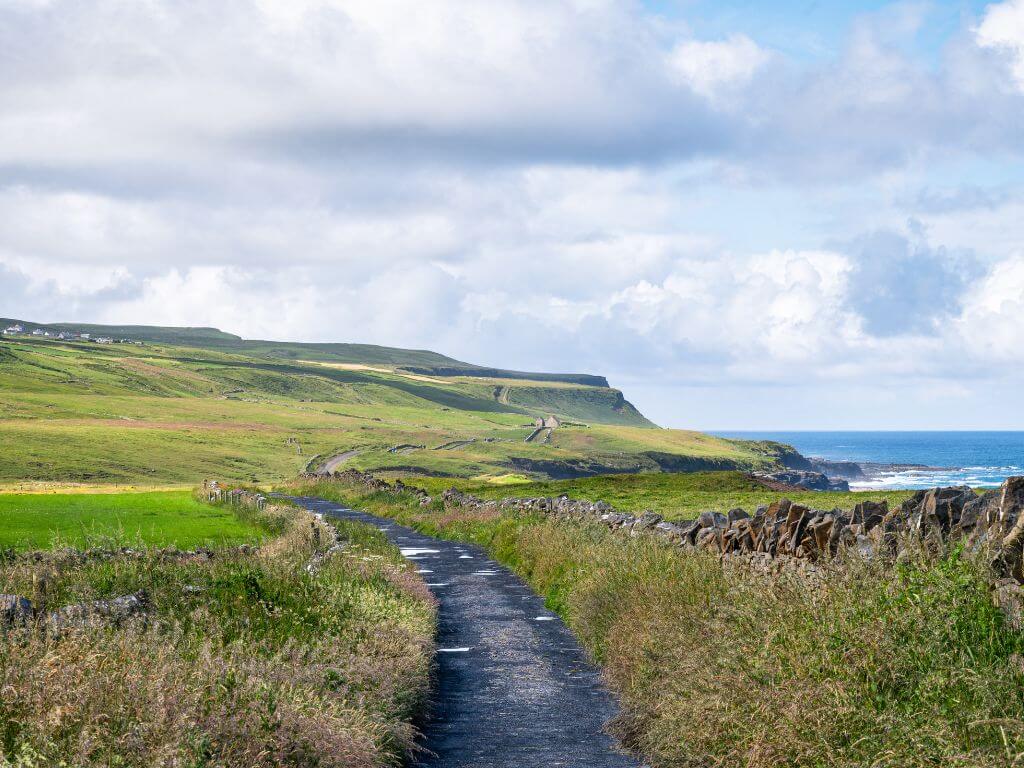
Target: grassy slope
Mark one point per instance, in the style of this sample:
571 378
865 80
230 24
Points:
676 496
32 521
908 667
417 360
92 413
246 660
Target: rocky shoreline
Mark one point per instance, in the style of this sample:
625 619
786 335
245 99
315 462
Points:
818 474
867 470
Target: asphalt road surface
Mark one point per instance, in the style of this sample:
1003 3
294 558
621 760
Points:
334 462
514 688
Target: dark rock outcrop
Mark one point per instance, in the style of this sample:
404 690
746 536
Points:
844 470
811 481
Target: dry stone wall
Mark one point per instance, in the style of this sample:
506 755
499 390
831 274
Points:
16 610
789 536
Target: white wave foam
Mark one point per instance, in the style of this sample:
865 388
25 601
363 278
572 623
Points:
914 479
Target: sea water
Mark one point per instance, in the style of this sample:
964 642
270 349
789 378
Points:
977 459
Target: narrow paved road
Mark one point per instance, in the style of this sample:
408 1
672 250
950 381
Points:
336 461
514 687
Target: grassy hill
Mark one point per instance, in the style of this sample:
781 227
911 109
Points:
194 403
416 361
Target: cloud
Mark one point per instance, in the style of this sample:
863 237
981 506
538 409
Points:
1002 29
963 197
162 96
511 79
562 184
992 323
901 285
710 66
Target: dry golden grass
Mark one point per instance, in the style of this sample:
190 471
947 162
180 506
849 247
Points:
256 663
865 666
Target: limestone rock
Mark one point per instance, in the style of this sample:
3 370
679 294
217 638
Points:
15 609
115 611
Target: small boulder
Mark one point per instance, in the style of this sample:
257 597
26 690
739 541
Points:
115 611
647 520
1011 501
15 609
981 510
870 513
1008 596
736 515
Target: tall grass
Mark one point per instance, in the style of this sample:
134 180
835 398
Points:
718 665
246 659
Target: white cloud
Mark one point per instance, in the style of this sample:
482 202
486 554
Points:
1002 28
992 323
709 66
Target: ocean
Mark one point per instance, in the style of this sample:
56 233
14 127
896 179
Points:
977 459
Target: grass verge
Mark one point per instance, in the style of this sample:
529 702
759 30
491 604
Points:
246 657
868 665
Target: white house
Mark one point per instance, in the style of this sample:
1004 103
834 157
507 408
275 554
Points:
14 329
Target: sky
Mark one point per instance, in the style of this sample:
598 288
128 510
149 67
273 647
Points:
748 215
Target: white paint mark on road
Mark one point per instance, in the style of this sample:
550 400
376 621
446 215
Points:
545 618
452 650
423 570
465 557
413 551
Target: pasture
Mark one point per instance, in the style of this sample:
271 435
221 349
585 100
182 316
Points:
163 518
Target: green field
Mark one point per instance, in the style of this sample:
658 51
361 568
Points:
247 659
39 521
676 496
256 412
